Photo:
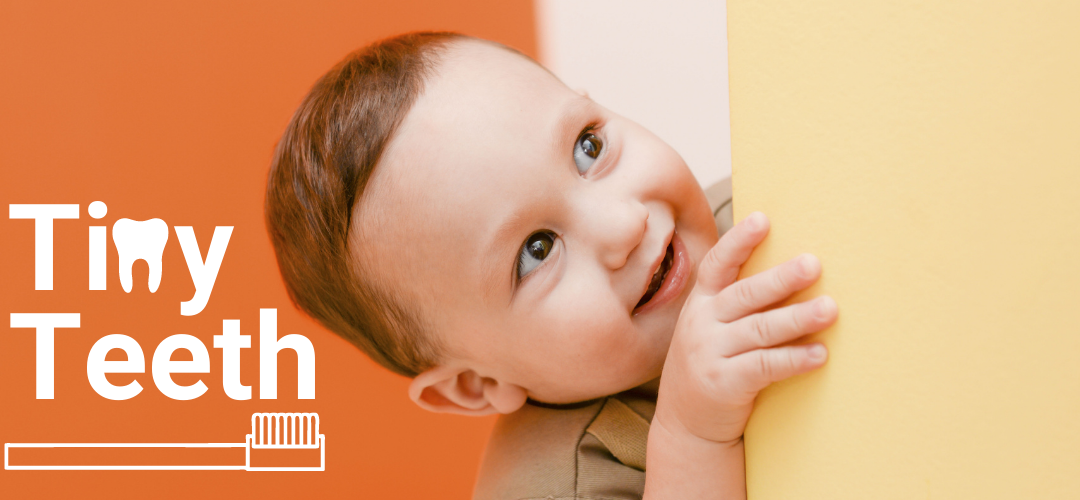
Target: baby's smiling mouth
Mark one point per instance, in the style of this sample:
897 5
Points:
658 276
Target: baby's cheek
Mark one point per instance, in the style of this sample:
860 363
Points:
602 343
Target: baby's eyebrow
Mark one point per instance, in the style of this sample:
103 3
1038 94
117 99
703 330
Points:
566 128
499 251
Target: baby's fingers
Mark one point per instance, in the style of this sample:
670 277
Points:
768 287
753 371
721 265
777 326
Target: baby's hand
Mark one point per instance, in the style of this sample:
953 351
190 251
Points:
723 349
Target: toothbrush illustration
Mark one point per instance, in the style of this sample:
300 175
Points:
283 441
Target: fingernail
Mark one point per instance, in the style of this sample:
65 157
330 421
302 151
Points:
752 221
807 265
817 352
823 307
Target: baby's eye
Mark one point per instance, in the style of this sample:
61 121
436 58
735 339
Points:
586 149
536 249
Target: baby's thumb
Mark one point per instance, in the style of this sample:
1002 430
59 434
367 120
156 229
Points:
721 264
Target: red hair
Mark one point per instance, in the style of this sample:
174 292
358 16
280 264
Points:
320 168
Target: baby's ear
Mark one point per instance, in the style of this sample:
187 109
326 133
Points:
462 391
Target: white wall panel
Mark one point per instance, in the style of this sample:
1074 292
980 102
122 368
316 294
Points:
661 64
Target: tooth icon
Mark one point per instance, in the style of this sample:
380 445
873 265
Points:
144 240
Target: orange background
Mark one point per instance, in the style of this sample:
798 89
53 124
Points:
172 111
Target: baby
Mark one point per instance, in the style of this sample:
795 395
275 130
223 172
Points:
465 219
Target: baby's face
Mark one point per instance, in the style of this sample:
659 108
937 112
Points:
550 242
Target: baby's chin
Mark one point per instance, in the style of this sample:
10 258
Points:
607 379
575 395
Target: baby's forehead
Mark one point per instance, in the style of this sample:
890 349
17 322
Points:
484 111
473 78
474 57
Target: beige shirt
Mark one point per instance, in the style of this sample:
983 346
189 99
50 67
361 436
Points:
567 452
593 450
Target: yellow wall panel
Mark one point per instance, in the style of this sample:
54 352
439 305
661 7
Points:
929 154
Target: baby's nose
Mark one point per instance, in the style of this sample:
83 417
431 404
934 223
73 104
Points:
619 231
